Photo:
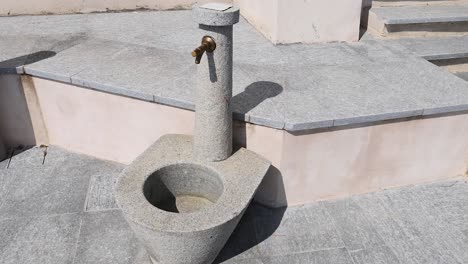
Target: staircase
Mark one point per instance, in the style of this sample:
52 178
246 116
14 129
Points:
436 30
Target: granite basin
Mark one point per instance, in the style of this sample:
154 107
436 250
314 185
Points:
183 188
183 209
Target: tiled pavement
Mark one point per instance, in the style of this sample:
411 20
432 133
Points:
63 211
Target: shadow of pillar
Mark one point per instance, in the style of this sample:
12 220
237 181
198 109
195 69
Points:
26 59
271 191
257 224
253 95
259 221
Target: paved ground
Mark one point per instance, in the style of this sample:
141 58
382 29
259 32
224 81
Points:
59 208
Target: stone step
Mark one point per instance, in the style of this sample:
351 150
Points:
418 21
462 75
449 53
436 49
395 3
453 65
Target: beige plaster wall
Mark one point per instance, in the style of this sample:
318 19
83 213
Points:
267 142
344 162
305 21
35 112
262 14
103 125
318 20
306 167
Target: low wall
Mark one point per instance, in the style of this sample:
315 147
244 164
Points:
307 167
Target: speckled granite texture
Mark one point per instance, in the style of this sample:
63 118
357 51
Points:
213 118
198 236
39 224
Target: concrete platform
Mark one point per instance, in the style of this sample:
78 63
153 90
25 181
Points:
299 87
418 224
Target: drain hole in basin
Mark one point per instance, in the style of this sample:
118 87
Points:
183 188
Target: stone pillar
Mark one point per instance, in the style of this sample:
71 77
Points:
213 117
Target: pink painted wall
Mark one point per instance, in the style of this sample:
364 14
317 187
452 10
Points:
341 163
304 21
105 126
306 167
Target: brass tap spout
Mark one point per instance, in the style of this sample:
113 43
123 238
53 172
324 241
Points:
208 44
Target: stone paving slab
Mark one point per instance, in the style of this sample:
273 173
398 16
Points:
30 187
106 238
436 48
20 50
422 14
338 256
417 224
146 55
101 191
49 239
422 218
302 229
139 72
75 59
30 192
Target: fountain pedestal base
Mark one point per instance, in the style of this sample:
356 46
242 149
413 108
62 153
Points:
183 208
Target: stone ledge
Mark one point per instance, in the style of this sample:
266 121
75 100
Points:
293 87
422 14
436 48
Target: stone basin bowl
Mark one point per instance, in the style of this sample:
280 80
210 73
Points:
183 188
182 209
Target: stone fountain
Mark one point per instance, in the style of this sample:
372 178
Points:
184 195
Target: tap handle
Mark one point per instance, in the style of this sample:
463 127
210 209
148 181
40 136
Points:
208 44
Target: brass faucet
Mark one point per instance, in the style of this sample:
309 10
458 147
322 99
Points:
208 44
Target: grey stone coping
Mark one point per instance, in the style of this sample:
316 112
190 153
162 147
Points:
146 55
422 14
436 48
